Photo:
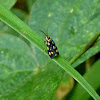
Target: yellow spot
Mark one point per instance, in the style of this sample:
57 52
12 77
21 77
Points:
49 53
48 43
50 39
52 42
56 50
54 47
47 38
71 10
55 54
47 48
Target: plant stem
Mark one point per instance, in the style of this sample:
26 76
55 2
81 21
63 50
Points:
89 45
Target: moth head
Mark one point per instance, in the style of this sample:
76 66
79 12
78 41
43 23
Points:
47 38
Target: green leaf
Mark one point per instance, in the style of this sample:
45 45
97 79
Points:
19 13
25 31
8 3
92 51
6 29
70 26
93 77
15 51
69 23
40 57
20 75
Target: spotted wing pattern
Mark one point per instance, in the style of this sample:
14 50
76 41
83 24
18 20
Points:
51 47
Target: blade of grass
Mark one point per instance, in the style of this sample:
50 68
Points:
13 21
18 25
88 46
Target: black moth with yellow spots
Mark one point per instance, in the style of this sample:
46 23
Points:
51 47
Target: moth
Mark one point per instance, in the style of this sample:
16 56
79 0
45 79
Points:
51 47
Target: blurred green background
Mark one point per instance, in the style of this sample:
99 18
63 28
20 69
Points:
28 74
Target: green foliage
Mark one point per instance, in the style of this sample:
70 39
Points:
26 73
8 3
92 76
69 23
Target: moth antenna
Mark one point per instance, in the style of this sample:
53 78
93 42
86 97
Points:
43 32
